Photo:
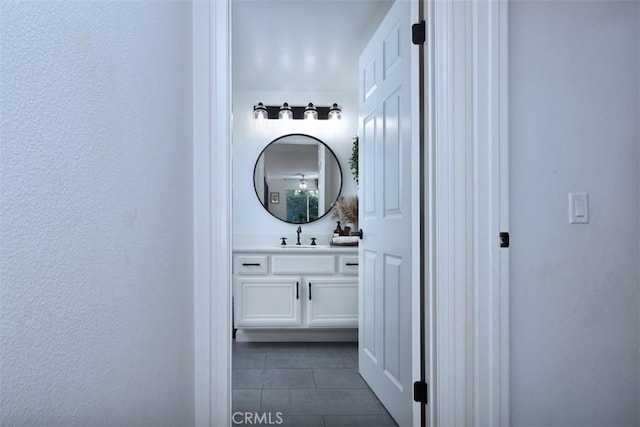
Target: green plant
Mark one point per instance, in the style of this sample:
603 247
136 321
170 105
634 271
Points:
353 161
297 206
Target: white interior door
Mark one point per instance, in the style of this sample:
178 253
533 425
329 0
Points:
385 319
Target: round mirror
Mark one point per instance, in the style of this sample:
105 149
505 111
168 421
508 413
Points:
297 178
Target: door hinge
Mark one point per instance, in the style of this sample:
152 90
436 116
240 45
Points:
504 239
419 32
420 392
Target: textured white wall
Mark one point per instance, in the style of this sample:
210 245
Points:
251 223
96 318
574 109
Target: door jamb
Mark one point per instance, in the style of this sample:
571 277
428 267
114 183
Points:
469 284
453 135
212 211
421 268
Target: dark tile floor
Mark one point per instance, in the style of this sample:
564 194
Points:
303 384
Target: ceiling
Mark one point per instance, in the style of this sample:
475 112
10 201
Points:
301 45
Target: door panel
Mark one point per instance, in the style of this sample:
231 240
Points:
267 302
333 302
367 325
385 357
392 331
392 159
368 185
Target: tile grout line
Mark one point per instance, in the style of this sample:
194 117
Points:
313 375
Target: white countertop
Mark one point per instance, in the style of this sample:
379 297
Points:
306 249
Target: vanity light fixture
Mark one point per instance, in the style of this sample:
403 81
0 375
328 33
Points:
260 112
296 112
335 112
311 112
286 113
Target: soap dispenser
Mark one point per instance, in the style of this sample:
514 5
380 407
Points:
338 231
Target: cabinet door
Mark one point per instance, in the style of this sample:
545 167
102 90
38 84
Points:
267 302
332 302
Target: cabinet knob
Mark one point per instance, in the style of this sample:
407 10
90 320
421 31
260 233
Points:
309 291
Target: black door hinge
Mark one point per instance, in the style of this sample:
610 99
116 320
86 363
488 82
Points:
504 239
419 33
420 392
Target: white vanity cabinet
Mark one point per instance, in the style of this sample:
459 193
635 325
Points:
332 302
295 288
267 301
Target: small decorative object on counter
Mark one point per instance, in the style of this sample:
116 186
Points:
346 208
338 230
345 241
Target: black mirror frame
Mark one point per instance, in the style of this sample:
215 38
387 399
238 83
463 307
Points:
266 200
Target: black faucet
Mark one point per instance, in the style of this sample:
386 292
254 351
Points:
299 231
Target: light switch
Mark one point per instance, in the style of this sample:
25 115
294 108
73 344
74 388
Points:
578 208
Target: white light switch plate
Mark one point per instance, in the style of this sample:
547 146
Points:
578 208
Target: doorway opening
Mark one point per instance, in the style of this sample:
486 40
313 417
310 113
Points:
294 52
448 138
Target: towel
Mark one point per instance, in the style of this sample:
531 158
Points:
345 240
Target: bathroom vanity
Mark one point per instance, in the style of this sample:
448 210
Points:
301 292
294 292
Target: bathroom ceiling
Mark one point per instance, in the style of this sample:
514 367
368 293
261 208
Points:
301 45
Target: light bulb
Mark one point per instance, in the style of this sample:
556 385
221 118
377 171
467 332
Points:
260 112
310 113
335 112
286 113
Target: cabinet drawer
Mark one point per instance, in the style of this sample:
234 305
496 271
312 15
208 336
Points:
348 264
251 264
303 264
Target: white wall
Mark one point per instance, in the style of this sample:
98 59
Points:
252 224
96 323
574 113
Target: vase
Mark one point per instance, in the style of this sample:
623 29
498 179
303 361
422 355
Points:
350 228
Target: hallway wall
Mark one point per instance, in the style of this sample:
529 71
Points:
96 292
574 109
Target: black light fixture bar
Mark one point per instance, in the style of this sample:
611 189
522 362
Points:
298 112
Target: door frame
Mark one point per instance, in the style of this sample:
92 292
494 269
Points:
212 211
468 206
466 280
